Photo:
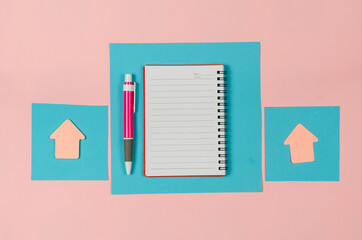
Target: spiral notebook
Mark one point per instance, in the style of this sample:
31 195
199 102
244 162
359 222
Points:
184 125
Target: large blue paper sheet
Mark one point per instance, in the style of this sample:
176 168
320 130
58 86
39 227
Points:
242 63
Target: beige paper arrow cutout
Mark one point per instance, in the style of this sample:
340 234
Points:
301 141
67 137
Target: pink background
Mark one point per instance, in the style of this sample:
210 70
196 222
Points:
58 52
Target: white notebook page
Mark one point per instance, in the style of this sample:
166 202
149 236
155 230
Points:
181 120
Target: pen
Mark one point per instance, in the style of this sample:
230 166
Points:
128 110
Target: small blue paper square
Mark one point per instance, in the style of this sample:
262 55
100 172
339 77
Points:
92 163
322 122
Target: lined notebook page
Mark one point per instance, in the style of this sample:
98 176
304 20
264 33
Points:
181 120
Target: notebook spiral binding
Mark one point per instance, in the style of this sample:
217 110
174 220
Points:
221 109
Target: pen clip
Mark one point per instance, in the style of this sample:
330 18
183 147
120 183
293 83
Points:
134 97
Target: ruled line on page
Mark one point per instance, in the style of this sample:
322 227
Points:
180 114
181 84
170 157
183 150
183 97
181 168
183 120
184 126
181 132
181 138
151 103
183 144
181 79
183 108
183 162
184 91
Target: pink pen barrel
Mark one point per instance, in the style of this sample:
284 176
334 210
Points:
128 98
128 110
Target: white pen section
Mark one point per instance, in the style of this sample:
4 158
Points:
128 87
181 120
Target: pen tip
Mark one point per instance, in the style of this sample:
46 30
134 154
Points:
128 167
